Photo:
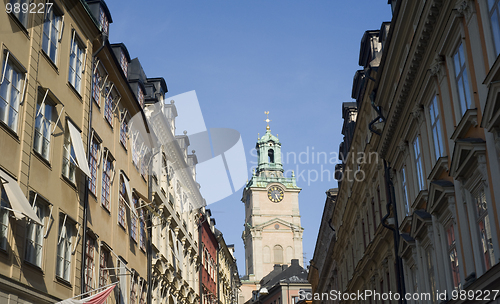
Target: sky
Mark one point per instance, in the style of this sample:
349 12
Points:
293 58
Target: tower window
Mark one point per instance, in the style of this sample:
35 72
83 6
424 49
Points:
278 254
270 153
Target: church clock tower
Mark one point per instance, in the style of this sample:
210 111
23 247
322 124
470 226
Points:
273 234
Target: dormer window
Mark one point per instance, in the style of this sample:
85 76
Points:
140 96
103 20
124 63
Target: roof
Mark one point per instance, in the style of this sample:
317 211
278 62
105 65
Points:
282 274
268 137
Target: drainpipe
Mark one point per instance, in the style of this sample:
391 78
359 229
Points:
89 142
218 282
149 224
391 203
200 254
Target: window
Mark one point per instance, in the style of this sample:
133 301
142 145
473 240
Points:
364 232
418 163
43 128
69 158
140 96
134 219
461 79
379 200
4 218
20 10
106 182
89 264
430 270
453 256
34 237
96 86
133 292
94 161
142 236
494 14
10 93
123 132
278 254
483 222
436 128
404 188
124 63
144 170
103 265
64 249
103 20
121 207
76 56
374 218
108 107
51 28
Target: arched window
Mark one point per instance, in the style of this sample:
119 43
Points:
270 153
267 254
278 254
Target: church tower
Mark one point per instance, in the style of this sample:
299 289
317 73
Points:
273 234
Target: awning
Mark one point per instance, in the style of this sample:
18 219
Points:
18 202
95 299
77 142
129 194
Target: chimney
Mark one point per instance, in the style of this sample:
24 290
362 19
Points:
295 262
277 266
284 267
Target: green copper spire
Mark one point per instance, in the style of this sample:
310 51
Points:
270 166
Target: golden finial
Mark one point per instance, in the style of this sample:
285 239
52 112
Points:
267 120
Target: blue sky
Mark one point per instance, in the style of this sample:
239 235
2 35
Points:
294 58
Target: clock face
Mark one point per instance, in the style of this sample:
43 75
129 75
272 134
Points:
275 194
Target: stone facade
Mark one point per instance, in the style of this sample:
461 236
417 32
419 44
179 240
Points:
421 215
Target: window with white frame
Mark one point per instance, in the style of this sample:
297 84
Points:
103 265
124 63
107 172
494 15
89 264
95 148
134 219
76 63
140 96
483 224
108 107
453 256
64 244
103 21
418 163
4 218
51 33
404 189
121 204
461 79
20 9
96 86
10 92
435 121
123 132
35 236
43 123
69 158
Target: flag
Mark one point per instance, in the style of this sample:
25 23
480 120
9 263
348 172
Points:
98 298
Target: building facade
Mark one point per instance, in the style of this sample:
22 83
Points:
417 207
228 280
44 115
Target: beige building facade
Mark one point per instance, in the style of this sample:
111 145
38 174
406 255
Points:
421 215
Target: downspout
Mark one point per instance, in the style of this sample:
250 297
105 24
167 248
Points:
200 254
218 282
391 202
89 142
150 237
